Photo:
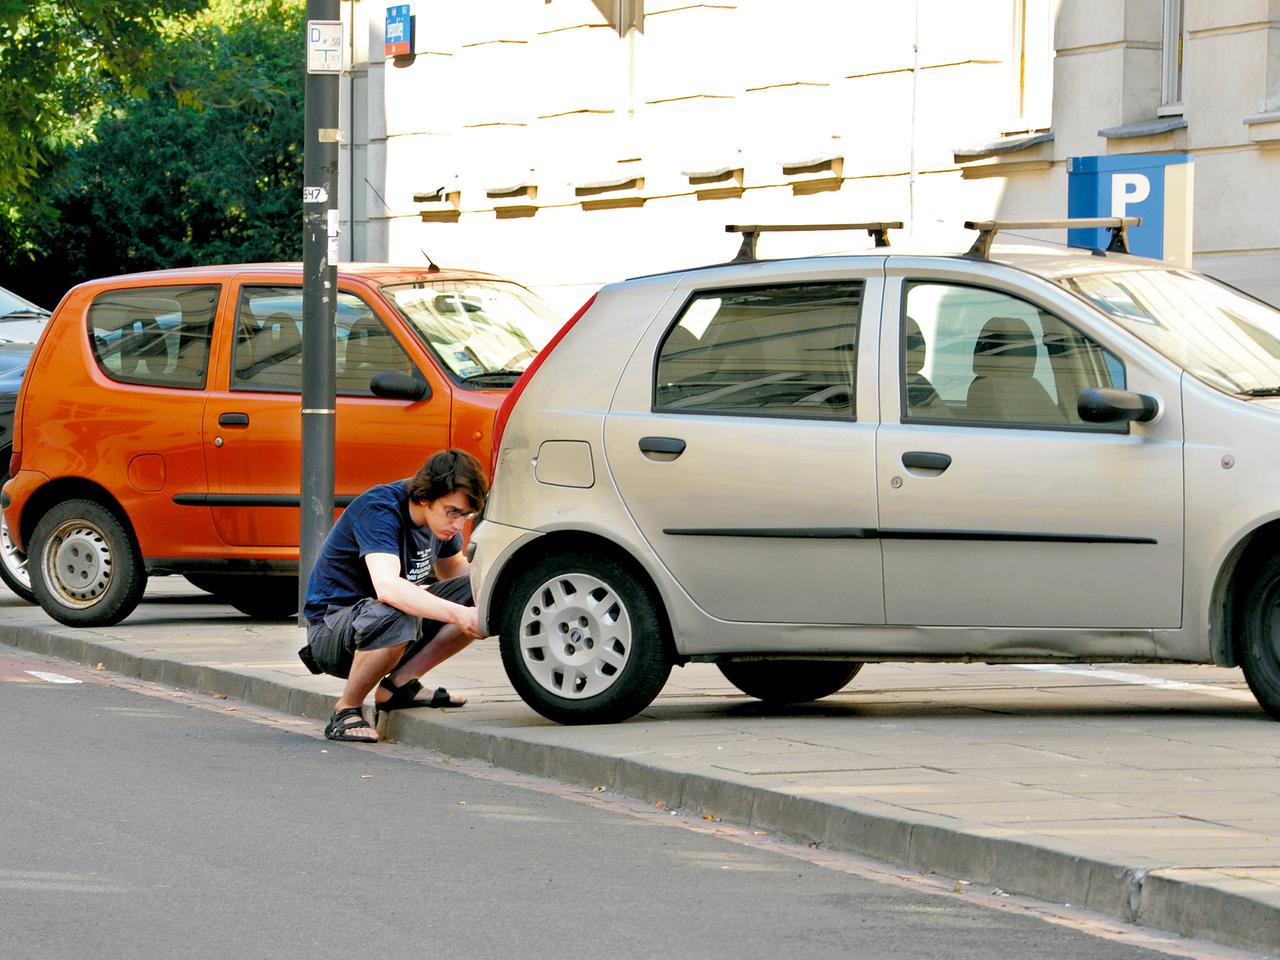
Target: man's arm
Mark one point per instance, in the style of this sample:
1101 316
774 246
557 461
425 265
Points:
454 566
395 591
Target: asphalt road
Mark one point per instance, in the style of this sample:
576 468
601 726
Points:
141 822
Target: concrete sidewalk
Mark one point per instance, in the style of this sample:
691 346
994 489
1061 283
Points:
1148 793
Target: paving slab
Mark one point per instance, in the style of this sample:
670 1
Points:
1148 792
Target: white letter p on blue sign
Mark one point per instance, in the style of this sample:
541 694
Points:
1126 189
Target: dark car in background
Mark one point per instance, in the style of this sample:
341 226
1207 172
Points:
21 323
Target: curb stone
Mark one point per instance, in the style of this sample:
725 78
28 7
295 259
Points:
1193 903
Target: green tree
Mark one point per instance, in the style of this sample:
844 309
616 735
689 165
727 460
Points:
203 165
59 61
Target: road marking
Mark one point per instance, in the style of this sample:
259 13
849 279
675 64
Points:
1139 679
52 677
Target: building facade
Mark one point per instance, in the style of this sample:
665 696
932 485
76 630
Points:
569 143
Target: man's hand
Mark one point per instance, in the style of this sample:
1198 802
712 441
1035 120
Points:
469 623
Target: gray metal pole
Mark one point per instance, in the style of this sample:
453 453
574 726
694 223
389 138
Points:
319 290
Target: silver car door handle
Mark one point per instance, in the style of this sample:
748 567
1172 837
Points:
663 447
925 460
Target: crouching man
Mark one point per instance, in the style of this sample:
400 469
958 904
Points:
390 597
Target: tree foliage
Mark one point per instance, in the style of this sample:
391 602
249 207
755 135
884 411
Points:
59 61
200 162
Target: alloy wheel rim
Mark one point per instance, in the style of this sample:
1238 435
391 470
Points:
77 563
14 560
575 636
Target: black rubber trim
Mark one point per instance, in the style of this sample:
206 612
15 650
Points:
251 500
778 533
870 533
1010 536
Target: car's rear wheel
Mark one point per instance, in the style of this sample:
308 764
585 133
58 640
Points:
1260 647
261 597
582 640
86 569
13 562
789 681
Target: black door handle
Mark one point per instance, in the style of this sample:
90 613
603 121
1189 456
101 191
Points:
672 446
233 420
923 460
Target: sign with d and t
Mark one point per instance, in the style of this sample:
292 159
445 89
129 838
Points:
324 46
1159 188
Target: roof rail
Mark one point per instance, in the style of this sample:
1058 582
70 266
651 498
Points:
747 252
987 230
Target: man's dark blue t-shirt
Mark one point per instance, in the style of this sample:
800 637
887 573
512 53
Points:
376 522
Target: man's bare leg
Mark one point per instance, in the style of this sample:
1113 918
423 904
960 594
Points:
449 640
367 668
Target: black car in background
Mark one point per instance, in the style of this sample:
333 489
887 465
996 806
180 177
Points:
21 323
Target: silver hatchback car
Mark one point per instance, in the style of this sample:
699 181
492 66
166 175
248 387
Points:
793 467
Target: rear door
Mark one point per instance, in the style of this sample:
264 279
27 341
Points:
743 443
253 421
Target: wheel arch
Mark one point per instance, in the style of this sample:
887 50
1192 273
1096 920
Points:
69 488
1234 578
564 541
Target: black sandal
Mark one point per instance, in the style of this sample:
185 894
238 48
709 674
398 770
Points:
404 697
344 721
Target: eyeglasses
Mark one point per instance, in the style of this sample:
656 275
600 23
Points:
453 513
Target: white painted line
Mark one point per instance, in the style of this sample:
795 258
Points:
1119 676
52 677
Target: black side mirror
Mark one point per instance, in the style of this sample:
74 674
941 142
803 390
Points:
398 386
1105 405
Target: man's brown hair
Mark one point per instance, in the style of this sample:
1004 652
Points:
447 471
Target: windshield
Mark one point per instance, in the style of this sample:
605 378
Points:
1221 336
21 329
486 331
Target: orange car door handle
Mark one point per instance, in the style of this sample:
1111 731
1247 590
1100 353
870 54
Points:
233 420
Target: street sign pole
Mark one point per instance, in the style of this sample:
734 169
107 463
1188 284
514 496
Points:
319 280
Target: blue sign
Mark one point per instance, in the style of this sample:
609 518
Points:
1155 187
399 35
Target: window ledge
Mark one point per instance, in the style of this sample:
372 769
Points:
1004 145
1264 128
1144 128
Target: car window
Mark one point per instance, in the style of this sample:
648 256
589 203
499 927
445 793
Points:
267 354
766 351
157 336
486 332
979 355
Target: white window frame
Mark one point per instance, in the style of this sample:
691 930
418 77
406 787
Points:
1031 59
1172 46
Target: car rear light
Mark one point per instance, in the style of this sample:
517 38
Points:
15 463
517 388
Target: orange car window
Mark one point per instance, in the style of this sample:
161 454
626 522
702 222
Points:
158 336
267 355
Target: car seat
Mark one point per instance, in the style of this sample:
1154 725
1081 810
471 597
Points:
1004 386
922 398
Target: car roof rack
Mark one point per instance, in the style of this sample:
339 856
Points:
747 252
987 230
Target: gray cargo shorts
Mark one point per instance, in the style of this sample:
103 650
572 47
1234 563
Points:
369 624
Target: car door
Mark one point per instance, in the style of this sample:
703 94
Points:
999 506
255 457
742 442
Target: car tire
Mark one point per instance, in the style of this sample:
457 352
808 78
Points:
582 640
13 563
1260 647
86 568
268 597
779 682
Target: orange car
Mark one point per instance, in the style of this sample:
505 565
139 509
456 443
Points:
158 425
